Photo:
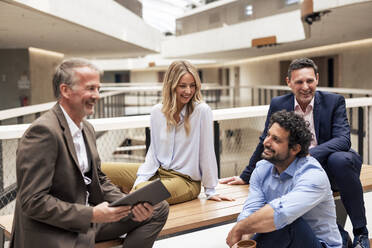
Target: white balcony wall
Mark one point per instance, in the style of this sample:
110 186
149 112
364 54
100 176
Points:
287 27
229 12
143 76
106 17
320 5
354 65
210 75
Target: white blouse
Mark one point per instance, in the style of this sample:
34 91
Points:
192 155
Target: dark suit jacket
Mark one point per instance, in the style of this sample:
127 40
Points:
330 122
50 206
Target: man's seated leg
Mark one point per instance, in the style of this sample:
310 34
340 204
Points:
346 240
85 239
297 234
343 169
139 234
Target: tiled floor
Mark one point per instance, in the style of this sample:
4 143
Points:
215 237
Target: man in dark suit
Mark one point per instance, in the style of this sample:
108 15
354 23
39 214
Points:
331 146
63 196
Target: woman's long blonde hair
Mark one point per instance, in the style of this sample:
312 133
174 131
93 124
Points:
173 75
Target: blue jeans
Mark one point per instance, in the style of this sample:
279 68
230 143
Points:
295 235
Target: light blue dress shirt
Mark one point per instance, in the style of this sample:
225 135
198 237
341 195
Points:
302 190
172 149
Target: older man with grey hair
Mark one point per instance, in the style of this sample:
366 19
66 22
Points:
63 196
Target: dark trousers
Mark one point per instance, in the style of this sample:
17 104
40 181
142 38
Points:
297 234
343 169
139 234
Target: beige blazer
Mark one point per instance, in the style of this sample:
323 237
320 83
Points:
50 207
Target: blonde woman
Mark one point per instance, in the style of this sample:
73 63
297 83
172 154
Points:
181 152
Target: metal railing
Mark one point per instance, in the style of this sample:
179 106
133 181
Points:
125 100
123 139
114 101
261 95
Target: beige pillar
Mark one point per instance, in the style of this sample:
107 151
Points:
42 64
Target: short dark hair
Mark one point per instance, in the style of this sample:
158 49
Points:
297 64
64 73
298 128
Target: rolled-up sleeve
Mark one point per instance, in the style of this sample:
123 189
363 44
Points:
256 197
309 190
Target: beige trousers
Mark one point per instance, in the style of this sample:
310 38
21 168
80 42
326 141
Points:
181 187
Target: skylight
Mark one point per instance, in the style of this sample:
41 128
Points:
162 14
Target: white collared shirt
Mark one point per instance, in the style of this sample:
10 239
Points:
308 115
173 149
80 149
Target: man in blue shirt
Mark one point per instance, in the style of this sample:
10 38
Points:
290 202
331 146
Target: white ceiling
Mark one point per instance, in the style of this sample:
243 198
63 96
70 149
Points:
343 24
22 27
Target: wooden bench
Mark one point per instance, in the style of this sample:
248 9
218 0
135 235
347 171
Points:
200 213
366 178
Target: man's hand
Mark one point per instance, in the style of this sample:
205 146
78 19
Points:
102 213
234 236
142 212
232 181
221 198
